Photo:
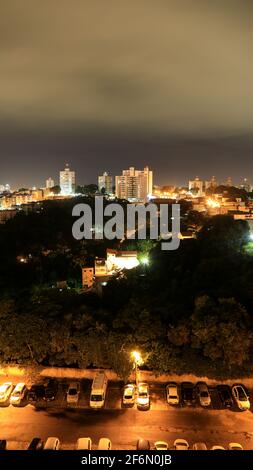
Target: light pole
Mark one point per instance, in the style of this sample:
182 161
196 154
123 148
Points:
137 361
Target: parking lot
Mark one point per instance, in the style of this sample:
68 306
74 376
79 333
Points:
158 399
124 425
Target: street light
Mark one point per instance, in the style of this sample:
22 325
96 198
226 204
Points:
137 362
145 260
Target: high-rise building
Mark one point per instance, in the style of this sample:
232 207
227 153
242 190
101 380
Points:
5 188
229 182
135 185
50 183
245 185
196 186
105 183
67 181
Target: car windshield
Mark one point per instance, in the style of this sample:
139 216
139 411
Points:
204 394
143 394
242 395
17 394
72 391
173 396
96 398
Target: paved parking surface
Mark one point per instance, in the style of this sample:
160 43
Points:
124 425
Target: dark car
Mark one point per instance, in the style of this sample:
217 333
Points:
143 444
36 392
188 394
3 444
225 395
36 444
51 390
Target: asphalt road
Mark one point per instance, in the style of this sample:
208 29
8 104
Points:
125 426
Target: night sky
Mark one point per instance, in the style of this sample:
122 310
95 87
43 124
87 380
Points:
107 84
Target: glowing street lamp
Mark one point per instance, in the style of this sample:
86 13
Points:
144 260
137 362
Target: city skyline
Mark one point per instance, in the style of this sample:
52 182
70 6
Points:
163 181
135 90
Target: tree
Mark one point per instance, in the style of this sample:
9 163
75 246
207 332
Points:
88 189
221 331
223 234
55 189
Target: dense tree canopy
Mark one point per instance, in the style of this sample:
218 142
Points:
190 310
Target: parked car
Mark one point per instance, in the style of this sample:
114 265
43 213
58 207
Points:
51 390
203 394
241 397
18 394
226 399
84 443
73 393
172 393
217 448
98 391
3 444
199 446
35 393
36 444
129 394
52 443
161 445
143 444
143 400
5 392
234 446
181 444
104 444
188 394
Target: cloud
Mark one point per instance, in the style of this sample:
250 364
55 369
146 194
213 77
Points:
170 66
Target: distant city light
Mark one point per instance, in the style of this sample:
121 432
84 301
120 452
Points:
212 203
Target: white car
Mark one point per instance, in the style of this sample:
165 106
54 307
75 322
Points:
241 397
84 443
18 394
234 446
199 446
129 394
181 444
217 448
203 394
143 400
52 443
73 393
104 444
172 394
161 445
5 392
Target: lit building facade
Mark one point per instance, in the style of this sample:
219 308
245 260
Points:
105 183
196 187
50 183
87 277
67 181
134 185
